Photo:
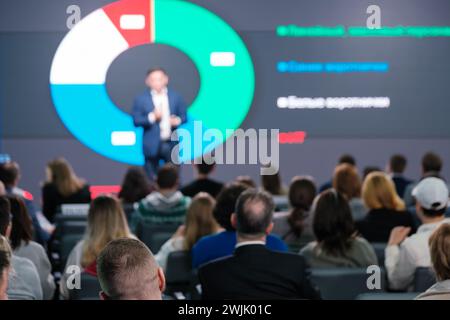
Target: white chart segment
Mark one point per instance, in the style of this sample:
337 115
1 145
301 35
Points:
123 138
222 59
87 51
132 22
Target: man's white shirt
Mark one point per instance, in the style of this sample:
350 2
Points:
401 261
161 103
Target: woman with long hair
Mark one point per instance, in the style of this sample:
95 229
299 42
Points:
106 222
62 186
337 243
291 225
22 245
386 208
199 222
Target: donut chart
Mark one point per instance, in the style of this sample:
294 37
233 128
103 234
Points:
80 65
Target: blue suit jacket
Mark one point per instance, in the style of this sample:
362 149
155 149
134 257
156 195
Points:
142 106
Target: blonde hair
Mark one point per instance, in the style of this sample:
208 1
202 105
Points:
106 222
378 191
61 174
199 219
440 251
5 256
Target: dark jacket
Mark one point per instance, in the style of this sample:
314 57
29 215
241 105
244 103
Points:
255 272
202 185
378 223
400 184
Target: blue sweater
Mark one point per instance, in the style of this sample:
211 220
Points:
222 244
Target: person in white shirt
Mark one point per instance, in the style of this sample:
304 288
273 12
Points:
159 111
405 254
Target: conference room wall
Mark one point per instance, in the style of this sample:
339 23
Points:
316 157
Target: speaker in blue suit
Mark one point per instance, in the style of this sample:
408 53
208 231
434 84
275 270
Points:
159 111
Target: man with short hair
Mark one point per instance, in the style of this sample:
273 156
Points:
24 282
127 270
345 158
405 254
159 111
397 165
166 204
203 183
253 271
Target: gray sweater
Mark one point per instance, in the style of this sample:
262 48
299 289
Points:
36 253
24 282
360 255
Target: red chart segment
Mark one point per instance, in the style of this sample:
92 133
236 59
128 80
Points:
133 19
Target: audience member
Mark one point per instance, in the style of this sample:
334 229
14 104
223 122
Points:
127 270
431 167
62 186
347 182
10 176
5 267
23 281
246 180
440 259
345 158
405 254
23 246
397 165
386 209
337 244
2 189
199 222
135 186
106 222
166 204
369 169
253 271
203 182
293 226
273 185
222 244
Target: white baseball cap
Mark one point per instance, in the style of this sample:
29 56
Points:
431 193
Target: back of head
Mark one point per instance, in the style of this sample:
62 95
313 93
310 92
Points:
246 180
9 174
5 215
199 219
2 189
347 158
440 251
22 228
369 169
333 223
127 270
431 163
432 196
346 181
5 264
272 183
379 192
135 185
106 222
62 176
254 211
302 192
167 177
226 204
205 168
397 163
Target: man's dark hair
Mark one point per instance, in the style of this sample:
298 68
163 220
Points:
167 177
431 162
160 69
434 213
347 158
226 204
398 163
5 214
9 173
254 211
205 168
333 223
126 269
